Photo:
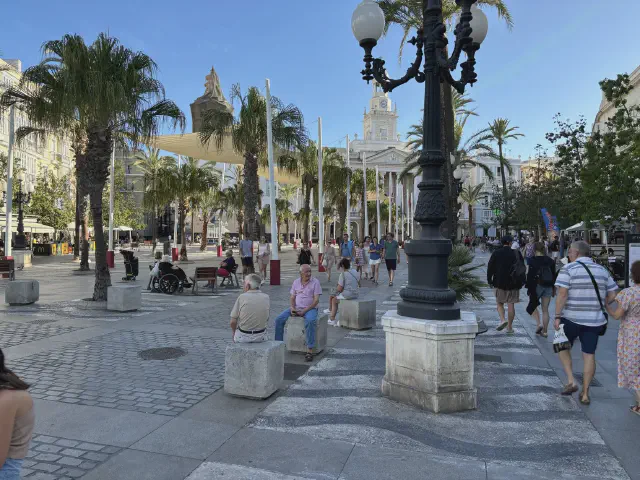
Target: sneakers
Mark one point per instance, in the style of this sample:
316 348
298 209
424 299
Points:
326 310
333 323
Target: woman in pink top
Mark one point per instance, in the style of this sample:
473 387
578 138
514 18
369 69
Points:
16 422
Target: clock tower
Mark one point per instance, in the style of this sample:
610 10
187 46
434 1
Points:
381 122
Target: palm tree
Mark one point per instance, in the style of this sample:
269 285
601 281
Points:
501 133
287 192
471 196
476 144
283 212
248 133
152 165
113 93
408 14
184 183
212 202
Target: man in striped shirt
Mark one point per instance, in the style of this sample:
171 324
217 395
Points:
580 311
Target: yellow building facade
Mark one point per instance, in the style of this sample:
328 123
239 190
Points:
33 154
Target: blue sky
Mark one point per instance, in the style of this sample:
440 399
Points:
550 62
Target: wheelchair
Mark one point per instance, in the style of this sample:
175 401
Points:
170 279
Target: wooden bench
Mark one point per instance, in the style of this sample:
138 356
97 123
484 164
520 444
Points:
204 273
7 267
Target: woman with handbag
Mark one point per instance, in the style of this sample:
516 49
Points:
628 312
264 253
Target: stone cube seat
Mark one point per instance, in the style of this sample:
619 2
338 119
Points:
254 370
124 298
22 292
357 314
294 334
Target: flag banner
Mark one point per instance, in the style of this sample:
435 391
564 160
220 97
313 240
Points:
550 221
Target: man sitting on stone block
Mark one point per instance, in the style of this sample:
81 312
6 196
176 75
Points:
304 298
250 314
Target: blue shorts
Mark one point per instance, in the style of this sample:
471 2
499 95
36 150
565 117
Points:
588 335
542 291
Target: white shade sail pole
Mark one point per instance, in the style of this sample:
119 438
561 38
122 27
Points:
397 203
390 200
12 139
112 194
272 183
364 195
378 205
348 195
175 212
320 192
295 222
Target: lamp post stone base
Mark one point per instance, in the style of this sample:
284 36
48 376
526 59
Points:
429 363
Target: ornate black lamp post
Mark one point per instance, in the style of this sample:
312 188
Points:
22 198
428 295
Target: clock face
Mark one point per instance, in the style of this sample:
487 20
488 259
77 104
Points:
383 104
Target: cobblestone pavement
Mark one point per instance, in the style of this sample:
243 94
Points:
105 411
59 458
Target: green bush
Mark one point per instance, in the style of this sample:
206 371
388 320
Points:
463 277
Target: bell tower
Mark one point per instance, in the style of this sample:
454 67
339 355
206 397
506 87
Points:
381 121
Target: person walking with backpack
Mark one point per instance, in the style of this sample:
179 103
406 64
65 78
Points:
506 273
584 288
540 287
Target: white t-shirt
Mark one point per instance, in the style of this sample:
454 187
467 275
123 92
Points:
515 245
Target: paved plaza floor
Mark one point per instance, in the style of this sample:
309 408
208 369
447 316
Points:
106 411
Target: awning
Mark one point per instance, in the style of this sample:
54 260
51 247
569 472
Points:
578 227
30 227
190 145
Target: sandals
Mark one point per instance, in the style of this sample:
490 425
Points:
539 330
308 357
569 389
584 400
502 326
511 332
544 334
635 409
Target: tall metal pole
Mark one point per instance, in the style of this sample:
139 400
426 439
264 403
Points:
320 194
378 222
295 223
9 228
272 183
348 194
175 252
397 204
365 201
390 199
275 260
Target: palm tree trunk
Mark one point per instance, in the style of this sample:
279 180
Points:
76 243
470 218
154 230
84 232
97 170
251 189
103 277
193 233
447 126
288 237
183 231
203 240
307 208
504 190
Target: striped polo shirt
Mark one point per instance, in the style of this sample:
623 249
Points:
582 305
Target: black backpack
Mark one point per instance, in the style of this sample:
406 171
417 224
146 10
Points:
518 272
545 276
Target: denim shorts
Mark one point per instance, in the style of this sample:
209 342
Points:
542 291
11 469
588 335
